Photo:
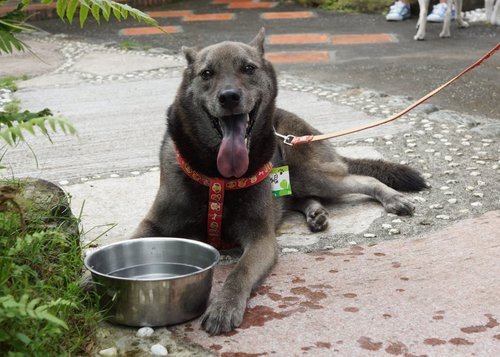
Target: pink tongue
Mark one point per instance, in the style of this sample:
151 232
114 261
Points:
232 160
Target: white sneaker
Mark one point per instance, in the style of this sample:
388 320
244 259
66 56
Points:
398 12
438 12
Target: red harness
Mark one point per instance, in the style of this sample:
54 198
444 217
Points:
216 187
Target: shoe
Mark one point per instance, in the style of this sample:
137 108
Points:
398 12
438 12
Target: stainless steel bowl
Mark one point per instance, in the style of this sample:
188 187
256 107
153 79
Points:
153 281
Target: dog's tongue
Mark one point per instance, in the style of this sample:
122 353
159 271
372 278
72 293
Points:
232 160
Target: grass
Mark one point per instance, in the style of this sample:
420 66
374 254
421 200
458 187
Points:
43 310
130 45
9 82
362 6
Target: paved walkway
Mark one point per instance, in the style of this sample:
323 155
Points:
374 284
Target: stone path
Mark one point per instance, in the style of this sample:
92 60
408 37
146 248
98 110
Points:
430 291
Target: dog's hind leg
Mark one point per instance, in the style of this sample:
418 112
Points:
447 20
422 20
316 215
392 200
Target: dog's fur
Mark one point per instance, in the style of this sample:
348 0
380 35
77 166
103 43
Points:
492 11
222 83
422 18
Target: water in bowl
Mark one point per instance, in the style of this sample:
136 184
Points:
155 271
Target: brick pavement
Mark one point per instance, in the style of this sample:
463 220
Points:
234 8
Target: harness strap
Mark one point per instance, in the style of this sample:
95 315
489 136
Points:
216 188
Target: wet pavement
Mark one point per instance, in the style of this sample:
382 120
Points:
430 291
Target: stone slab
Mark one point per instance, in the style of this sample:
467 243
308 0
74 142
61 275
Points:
434 296
41 59
104 63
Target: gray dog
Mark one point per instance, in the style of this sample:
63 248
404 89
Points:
221 134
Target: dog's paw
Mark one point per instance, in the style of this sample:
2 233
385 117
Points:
445 34
399 205
317 219
223 315
463 23
419 36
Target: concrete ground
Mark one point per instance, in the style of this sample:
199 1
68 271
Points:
431 290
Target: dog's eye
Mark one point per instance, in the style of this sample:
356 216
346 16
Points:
249 69
207 74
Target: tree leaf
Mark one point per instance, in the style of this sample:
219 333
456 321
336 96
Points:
84 12
70 11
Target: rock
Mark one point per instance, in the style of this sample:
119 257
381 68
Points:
369 235
112 351
145 332
443 217
394 231
159 350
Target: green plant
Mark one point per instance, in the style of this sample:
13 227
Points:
9 82
43 310
14 21
130 45
363 6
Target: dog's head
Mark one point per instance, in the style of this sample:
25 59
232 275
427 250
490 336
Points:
232 86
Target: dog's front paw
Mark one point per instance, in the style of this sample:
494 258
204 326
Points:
420 36
223 315
317 219
399 205
462 23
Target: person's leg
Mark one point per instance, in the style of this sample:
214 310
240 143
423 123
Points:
399 11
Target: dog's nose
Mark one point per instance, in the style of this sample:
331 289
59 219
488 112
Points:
229 98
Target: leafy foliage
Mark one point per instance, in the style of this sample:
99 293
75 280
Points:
40 297
13 124
15 21
363 6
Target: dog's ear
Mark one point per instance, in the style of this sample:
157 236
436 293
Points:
190 54
258 41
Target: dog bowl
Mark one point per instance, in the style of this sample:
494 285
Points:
153 281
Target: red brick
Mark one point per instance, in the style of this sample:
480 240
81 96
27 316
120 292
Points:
298 57
291 39
362 39
140 31
288 15
210 17
251 5
174 13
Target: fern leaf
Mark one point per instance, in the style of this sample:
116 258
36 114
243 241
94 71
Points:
30 308
95 10
23 338
116 12
61 8
42 313
84 11
70 11
6 136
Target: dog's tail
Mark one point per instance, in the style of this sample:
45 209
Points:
399 177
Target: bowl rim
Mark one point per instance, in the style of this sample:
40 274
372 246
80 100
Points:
88 255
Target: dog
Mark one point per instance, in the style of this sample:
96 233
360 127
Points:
492 11
221 132
445 32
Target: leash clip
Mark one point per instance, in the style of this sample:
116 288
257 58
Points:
287 139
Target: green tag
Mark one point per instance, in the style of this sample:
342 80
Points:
280 181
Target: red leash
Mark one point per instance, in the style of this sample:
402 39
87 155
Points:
216 187
296 140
